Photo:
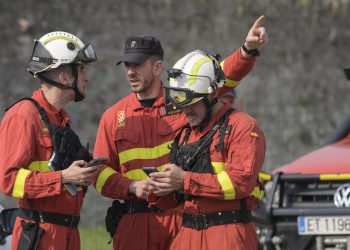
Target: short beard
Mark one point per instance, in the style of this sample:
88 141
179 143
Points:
147 84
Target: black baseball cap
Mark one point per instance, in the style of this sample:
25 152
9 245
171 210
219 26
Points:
139 48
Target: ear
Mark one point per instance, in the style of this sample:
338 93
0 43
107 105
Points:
65 78
158 67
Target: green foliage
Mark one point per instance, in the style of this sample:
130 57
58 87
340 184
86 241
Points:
94 238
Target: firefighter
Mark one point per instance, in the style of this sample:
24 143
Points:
137 131
43 163
215 161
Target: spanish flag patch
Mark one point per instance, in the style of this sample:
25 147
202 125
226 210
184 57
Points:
121 118
254 135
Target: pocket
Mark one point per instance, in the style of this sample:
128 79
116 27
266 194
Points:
126 135
45 147
44 141
243 157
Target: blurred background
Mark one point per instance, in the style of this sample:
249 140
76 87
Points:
297 90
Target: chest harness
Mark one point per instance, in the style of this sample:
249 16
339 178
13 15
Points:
195 157
66 144
66 149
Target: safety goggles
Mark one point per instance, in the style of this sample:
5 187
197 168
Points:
181 97
86 55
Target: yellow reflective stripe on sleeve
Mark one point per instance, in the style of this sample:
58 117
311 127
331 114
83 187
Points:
41 166
144 153
231 83
218 166
18 188
136 174
103 176
228 82
226 186
258 193
139 174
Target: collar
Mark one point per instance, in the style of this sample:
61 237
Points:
62 115
158 102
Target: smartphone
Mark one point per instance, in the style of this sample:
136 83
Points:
97 161
149 170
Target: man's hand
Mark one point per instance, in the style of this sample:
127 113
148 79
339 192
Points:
257 36
163 183
139 188
78 173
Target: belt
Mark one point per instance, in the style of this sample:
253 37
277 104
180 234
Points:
53 218
131 207
203 221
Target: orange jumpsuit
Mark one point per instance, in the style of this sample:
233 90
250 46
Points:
133 136
236 171
25 149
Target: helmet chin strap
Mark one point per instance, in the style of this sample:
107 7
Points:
208 107
77 95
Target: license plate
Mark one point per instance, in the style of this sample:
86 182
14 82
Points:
322 225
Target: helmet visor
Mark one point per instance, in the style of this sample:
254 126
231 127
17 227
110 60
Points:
86 55
181 97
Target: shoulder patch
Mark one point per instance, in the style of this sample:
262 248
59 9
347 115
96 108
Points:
254 134
121 118
168 109
43 124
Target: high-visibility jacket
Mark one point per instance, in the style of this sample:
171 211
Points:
25 149
236 171
133 136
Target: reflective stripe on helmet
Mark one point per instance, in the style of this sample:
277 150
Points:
195 68
50 39
18 188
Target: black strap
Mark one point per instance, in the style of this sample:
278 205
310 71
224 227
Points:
53 83
220 146
203 221
209 136
40 109
53 218
132 207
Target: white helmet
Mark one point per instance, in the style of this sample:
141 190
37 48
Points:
193 77
58 48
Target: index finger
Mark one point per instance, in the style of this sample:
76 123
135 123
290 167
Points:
258 22
158 174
